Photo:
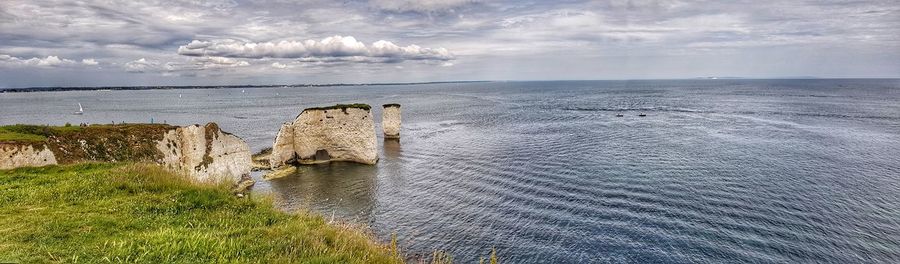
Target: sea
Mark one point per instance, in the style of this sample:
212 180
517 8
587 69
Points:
643 171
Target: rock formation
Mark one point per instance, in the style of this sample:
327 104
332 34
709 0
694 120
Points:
323 134
390 121
14 156
203 152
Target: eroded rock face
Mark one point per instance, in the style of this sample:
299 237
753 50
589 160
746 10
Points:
390 121
283 148
14 156
206 153
203 152
327 134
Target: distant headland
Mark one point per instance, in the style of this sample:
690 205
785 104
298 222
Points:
157 87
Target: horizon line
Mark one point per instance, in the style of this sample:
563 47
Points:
227 86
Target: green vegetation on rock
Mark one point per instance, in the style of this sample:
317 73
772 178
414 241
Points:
92 213
31 133
341 106
91 143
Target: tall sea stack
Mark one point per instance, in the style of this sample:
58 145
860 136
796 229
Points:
324 134
390 121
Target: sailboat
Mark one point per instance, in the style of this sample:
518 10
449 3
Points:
80 110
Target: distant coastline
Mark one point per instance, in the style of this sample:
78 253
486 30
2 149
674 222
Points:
179 87
186 87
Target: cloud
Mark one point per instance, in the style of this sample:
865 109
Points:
330 49
421 6
47 62
89 62
194 64
497 39
278 65
141 65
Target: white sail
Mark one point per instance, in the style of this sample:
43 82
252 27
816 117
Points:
80 109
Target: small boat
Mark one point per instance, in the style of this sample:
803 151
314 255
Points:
619 115
80 110
179 95
242 91
642 114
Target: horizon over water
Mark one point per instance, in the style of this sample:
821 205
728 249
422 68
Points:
728 170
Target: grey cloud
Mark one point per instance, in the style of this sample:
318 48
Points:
263 40
423 6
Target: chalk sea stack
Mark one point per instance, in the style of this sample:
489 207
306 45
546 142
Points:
206 153
390 121
344 132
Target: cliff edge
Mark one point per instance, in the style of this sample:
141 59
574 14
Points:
324 134
204 152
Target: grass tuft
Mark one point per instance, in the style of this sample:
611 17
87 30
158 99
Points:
341 106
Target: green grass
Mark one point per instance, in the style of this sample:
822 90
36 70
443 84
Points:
32 133
97 213
341 106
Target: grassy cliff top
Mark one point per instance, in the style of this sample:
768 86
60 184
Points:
71 144
92 213
341 106
38 133
391 105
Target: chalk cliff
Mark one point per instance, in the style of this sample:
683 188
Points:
324 134
14 156
390 121
204 152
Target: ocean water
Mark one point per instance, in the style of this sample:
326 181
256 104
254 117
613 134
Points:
761 171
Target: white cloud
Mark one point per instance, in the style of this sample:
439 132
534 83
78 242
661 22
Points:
330 49
89 62
141 65
218 62
47 62
194 64
279 65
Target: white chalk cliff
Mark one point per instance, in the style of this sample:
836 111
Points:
203 152
14 156
206 153
337 133
390 121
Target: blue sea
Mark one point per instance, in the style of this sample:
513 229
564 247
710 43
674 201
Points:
736 171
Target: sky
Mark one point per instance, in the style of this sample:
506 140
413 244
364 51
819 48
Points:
220 42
